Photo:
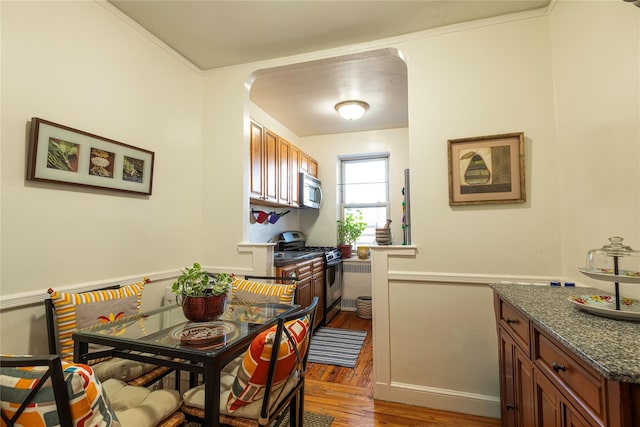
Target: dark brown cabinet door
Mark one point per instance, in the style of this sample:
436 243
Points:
525 411
507 379
547 402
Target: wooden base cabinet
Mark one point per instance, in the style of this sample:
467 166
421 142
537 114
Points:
317 288
516 383
310 274
544 384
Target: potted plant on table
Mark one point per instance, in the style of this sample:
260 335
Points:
203 295
349 230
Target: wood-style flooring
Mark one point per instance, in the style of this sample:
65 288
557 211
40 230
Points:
347 393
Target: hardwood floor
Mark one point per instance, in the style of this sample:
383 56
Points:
347 393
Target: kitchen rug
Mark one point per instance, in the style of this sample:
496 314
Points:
310 420
333 346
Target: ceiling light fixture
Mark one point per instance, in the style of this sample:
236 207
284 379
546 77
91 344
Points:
351 110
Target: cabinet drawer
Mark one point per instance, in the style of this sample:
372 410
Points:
318 265
516 324
304 269
573 377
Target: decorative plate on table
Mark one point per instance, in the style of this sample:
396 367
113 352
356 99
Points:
605 305
203 333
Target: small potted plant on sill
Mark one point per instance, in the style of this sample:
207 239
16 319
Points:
203 295
349 230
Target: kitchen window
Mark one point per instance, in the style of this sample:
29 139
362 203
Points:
364 186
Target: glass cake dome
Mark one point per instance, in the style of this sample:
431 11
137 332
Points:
613 262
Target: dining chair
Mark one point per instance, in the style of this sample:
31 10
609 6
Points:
66 312
44 391
258 386
265 289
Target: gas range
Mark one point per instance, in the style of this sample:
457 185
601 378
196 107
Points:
292 245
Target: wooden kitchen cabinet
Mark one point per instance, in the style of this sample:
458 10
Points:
308 164
313 167
544 384
263 164
317 288
256 153
516 370
274 167
294 170
516 374
310 274
284 171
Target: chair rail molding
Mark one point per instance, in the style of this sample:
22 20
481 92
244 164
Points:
261 260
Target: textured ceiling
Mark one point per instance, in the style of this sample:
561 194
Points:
213 34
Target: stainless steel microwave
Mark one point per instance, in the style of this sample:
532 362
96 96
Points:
310 191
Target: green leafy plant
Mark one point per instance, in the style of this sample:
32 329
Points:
195 282
350 228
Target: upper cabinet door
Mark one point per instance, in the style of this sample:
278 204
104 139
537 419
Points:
270 164
256 161
294 169
313 167
284 162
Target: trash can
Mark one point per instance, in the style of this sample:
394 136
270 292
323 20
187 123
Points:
363 307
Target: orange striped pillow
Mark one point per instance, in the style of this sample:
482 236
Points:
251 379
244 290
82 310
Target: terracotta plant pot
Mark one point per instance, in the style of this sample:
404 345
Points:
345 250
204 309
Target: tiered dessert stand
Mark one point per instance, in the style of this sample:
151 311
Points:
615 263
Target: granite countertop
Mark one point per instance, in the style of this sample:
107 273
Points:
610 346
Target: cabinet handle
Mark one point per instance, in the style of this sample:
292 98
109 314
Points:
510 406
556 367
511 321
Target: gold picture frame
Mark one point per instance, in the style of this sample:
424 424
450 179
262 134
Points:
487 169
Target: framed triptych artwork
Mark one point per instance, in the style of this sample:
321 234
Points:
60 154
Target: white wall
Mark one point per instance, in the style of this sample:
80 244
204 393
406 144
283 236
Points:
78 64
597 80
326 149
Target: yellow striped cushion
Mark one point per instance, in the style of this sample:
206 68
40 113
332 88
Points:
243 290
78 311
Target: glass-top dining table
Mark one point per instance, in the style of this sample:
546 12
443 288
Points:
165 337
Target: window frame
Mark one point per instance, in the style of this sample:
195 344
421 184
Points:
363 158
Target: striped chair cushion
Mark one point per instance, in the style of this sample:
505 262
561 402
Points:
82 310
88 403
247 290
251 379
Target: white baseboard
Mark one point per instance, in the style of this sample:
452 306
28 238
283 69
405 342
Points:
438 398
